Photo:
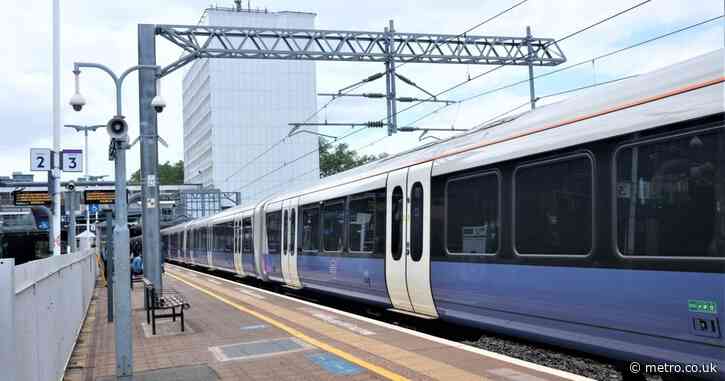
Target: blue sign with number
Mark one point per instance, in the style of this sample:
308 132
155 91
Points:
93 208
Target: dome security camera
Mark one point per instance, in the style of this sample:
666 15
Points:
71 186
158 103
77 101
117 128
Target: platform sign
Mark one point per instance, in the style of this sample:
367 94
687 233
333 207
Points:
40 159
31 198
72 160
103 197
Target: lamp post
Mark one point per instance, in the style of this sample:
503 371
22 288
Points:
85 130
118 130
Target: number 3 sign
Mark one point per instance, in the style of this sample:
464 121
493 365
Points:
72 160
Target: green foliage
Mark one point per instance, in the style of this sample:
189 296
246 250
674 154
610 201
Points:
169 174
341 158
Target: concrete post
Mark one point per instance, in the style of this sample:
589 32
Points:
108 231
149 155
122 272
7 318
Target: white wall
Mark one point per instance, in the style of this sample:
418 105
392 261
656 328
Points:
251 103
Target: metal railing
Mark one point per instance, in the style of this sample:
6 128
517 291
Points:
42 307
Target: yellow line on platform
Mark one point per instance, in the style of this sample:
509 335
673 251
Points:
296 333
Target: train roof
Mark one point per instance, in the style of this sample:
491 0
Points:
614 96
605 110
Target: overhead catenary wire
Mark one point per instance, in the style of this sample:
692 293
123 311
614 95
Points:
508 86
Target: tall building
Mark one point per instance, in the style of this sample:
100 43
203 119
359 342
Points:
235 109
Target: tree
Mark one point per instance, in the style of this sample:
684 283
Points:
168 174
341 158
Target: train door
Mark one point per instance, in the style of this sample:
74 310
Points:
209 246
289 256
407 261
237 245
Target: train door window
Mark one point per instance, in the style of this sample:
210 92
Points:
333 219
670 196
247 237
285 239
311 228
361 226
416 222
396 233
274 232
227 241
292 231
553 207
472 214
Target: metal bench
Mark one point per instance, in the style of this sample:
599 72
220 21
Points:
163 300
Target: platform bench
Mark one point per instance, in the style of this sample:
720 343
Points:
164 300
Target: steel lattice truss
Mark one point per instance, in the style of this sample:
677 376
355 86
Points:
328 45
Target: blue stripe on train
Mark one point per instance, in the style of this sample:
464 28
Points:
643 313
359 278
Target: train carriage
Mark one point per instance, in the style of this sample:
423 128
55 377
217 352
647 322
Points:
595 223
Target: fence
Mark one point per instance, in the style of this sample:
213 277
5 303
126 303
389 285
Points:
42 307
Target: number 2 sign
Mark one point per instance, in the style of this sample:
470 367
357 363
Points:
40 159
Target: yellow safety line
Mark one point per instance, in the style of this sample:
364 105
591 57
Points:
310 340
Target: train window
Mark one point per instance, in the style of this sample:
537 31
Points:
553 207
361 228
472 214
416 222
292 231
274 232
670 196
396 233
285 239
226 241
311 228
333 219
247 237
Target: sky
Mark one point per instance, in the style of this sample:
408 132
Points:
105 32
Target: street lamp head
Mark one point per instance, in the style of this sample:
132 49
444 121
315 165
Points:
158 103
77 101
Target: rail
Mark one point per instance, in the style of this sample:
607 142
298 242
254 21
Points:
42 307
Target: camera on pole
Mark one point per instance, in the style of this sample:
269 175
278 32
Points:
117 128
71 186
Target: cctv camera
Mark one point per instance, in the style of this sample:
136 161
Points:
71 186
77 101
117 128
158 103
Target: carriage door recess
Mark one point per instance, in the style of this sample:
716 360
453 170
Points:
209 246
395 240
417 256
289 261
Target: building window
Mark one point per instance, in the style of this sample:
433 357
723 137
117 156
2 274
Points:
396 233
311 228
670 196
416 222
472 216
554 207
333 220
247 237
274 232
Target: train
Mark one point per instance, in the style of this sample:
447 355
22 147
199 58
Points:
596 223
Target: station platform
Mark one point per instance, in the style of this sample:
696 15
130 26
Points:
238 332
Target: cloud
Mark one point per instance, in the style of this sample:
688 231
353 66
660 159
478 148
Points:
106 32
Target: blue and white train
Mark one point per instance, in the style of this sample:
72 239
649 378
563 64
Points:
596 223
